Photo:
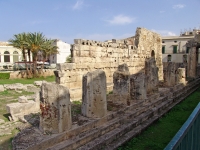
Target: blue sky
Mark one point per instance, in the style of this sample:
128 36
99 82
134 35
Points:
96 19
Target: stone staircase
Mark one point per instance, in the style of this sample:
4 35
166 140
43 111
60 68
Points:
118 127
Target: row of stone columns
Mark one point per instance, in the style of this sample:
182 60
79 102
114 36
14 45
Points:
55 99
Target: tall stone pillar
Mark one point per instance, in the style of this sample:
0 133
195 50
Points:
55 108
121 80
94 103
181 75
152 75
138 90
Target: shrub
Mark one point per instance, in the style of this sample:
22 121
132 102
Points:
4 75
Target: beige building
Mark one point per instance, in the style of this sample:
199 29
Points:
9 55
174 48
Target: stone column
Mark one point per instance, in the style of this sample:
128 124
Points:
121 80
94 103
151 73
181 75
138 90
55 108
170 74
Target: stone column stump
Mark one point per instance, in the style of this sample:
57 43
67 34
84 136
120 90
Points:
55 108
121 88
94 103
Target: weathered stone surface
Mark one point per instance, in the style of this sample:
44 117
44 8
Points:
151 72
192 63
121 88
89 55
94 102
169 74
22 99
138 87
55 108
181 77
16 86
39 83
1 88
18 110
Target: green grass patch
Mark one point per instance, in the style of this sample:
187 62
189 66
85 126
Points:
158 135
27 81
4 76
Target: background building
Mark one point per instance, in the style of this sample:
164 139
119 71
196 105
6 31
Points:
64 52
9 55
174 48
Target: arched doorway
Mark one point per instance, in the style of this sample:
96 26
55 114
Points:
152 53
15 56
6 56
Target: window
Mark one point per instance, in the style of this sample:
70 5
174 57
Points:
0 57
169 58
6 56
15 56
163 49
175 49
163 41
187 50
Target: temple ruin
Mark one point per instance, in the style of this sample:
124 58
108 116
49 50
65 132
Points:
143 88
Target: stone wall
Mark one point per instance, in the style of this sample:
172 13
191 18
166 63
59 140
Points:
174 73
88 55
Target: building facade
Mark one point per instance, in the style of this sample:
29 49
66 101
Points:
64 52
174 48
9 55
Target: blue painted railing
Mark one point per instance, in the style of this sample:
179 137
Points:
188 137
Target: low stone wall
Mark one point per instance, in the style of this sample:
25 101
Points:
22 73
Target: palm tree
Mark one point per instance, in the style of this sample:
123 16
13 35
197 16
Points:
49 49
35 43
19 42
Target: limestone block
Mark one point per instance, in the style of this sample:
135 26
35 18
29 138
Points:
22 99
151 72
66 66
121 88
138 87
39 83
94 102
181 75
55 108
18 110
16 86
1 88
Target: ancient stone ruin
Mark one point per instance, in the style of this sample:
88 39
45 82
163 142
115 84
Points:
121 88
144 89
89 55
94 103
55 108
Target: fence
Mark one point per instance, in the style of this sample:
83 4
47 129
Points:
188 137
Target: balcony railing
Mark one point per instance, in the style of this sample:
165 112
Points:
188 137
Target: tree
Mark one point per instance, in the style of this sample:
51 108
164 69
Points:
33 43
19 41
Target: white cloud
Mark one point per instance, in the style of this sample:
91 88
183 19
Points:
162 11
178 6
78 5
121 20
164 32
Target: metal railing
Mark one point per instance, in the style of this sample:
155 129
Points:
188 137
